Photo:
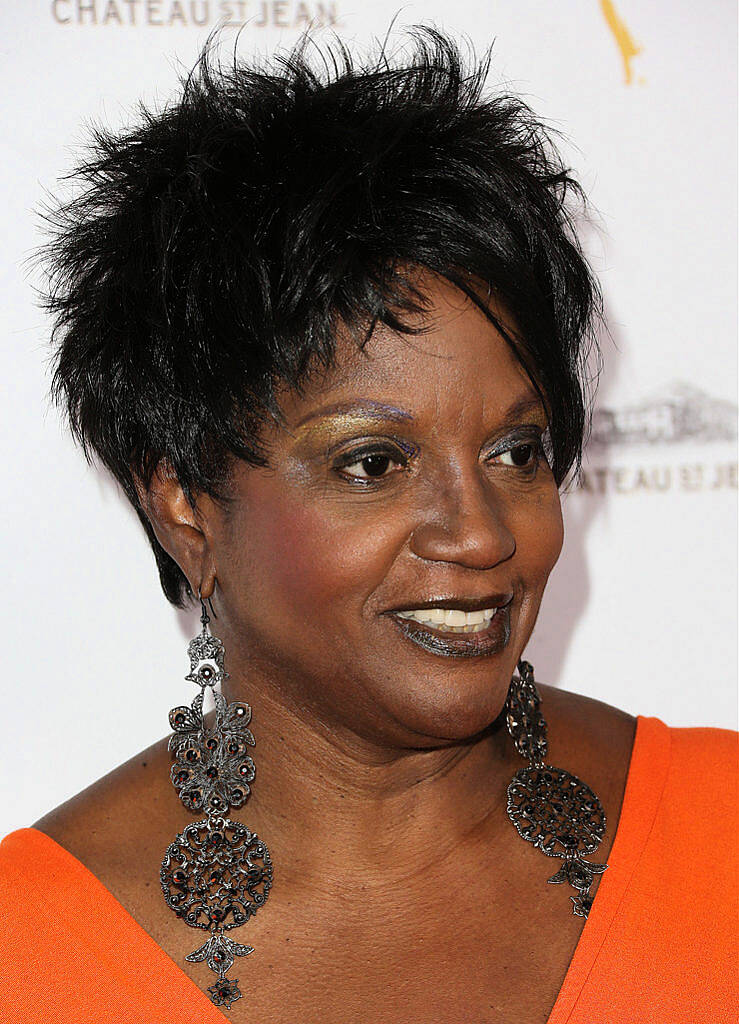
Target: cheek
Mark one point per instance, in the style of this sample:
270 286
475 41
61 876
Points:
312 559
540 535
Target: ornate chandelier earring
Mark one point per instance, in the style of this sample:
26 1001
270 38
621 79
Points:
216 873
550 808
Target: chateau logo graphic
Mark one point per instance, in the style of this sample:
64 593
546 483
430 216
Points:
195 13
680 413
671 423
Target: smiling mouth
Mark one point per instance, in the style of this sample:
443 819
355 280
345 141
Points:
451 643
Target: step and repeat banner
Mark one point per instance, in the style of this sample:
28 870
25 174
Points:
640 611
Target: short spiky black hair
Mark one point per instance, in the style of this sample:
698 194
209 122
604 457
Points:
213 248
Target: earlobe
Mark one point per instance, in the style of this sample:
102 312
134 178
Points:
207 585
177 526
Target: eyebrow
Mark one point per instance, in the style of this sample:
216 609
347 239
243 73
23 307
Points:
371 410
380 411
527 404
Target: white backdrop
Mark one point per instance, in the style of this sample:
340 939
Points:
641 609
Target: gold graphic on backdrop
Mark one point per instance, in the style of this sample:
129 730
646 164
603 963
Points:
624 40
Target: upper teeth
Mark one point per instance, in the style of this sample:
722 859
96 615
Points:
449 616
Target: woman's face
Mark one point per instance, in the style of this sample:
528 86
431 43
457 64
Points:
410 475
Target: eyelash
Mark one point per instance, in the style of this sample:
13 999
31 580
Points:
358 455
352 458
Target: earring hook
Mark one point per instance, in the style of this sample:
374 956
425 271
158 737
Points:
204 617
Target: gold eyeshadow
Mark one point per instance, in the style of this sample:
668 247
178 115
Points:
324 429
325 425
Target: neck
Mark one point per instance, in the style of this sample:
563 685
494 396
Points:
335 807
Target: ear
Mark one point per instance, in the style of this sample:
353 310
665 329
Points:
182 531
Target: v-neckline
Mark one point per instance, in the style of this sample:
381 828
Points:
645 780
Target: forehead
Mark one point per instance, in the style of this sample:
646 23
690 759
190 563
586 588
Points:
459 366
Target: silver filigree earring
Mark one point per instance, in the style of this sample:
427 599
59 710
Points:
217 873
551 808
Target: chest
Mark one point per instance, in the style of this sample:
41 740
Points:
473 950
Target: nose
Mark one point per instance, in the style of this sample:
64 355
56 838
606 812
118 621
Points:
465 521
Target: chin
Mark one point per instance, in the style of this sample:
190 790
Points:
454 705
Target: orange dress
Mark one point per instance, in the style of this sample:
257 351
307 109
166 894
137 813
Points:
659 947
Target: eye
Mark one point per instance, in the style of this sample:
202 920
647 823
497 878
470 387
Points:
370 463
521 455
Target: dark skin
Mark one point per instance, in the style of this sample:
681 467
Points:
402 892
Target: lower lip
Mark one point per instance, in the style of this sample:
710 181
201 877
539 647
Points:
490 640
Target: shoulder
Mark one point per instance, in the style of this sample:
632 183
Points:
705 748
119 818
703 771
20 853
592 740
592 736
585 728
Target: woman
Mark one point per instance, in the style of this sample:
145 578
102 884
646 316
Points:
329 334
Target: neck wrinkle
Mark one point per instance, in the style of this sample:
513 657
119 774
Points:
335 808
